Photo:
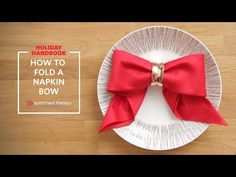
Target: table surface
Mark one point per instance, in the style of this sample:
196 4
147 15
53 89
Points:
77 134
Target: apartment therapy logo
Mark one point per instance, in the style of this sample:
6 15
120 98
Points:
46 64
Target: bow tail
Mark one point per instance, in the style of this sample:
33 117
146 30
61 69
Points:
121 111
193 108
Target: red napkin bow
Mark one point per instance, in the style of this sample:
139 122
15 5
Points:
183 87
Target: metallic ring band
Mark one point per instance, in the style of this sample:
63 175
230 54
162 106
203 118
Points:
157 73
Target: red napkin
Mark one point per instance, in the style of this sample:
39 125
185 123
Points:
184 89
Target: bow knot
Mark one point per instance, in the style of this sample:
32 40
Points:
157 74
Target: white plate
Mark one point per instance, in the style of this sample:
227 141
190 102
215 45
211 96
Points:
155 127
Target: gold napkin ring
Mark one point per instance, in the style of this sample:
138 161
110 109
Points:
157 74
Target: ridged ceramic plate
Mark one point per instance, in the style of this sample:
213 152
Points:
155 127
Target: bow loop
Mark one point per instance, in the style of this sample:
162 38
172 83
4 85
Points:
186 75
129 75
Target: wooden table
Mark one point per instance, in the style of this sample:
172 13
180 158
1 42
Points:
77 134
